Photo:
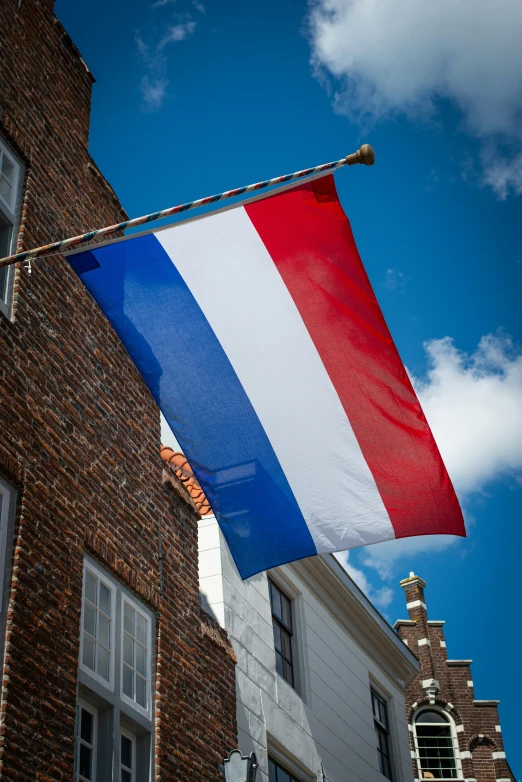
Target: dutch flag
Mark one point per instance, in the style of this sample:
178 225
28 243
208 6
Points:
260 338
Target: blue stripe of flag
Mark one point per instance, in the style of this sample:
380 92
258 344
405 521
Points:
177 353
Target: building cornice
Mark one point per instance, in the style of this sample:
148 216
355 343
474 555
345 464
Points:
457 663
486 703
350 606
406 622
436 622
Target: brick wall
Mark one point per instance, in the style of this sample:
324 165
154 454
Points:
79 440
448 684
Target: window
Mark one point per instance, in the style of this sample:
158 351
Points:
136 644
114 727
97 642
276 773
127 756
435 744
382 730
10 184
85 749
7 514
282 625
7 497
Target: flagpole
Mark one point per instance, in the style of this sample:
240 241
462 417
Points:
365 156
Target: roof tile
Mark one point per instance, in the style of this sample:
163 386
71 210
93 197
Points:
184 472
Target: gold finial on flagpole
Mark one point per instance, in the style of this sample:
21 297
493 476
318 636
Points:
365 155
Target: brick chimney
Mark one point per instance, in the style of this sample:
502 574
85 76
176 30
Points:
416 633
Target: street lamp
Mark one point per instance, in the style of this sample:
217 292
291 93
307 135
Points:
240 768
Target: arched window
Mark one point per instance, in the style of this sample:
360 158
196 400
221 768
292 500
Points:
435 744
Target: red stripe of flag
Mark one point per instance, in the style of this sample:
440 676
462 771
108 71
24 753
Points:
310 240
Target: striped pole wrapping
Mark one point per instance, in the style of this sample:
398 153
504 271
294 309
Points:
364 155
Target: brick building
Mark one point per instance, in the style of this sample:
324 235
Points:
108 663
452 734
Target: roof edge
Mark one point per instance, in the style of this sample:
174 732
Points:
331 575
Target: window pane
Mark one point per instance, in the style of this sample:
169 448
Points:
431 717
383 741
103 663
433 731
104 630
126 751
88 652
86 725
7 169
5 190
287 613
385 766
288 674
279 663
128 650
5 246
128 686
282 775
3 272
277 637
125 776
141 660
141 691
85 764
271 771
89 619
105 599
141 629
287 647
276 600
128 619
379 709
90 586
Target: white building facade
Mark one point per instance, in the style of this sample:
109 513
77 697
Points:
321 676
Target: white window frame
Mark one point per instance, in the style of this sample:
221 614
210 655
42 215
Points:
7 493
302 684
6 152
125 698
454 739
110 584
10 212
132 739
78 740
287 764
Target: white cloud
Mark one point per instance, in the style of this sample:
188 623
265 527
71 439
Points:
393 57
384 557
501 173
176 32
395 280
473 404
154 84
380 596
153 92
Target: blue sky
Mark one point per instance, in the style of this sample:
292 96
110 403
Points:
193 98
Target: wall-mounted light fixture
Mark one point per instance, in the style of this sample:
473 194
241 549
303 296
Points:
240 768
